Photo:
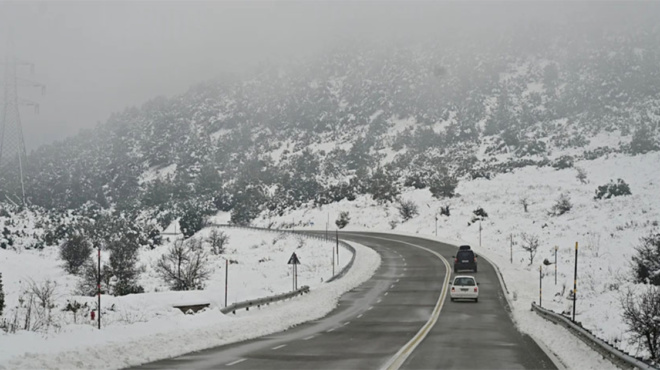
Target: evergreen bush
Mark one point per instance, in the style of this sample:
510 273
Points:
613 189
562 206
646 260
343 220
407 209
75 251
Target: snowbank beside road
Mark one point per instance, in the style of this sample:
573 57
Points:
168 332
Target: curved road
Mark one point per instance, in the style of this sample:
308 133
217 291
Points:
378 324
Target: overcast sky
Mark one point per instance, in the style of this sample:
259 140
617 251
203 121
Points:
100 57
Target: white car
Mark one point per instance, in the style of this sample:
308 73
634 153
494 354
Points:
464 287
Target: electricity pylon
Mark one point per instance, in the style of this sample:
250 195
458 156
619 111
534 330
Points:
12 144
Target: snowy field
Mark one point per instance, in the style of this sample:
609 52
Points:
145 327
141 328
607 232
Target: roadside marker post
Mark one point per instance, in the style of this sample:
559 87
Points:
575 280
293 260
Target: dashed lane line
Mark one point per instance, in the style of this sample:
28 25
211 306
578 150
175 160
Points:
236 362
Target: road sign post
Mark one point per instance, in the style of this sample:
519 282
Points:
293 260
337 241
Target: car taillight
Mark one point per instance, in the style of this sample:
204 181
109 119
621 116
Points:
475 289
455 260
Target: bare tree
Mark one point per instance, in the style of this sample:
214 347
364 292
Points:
530 243
525 203
641 314
581 175
218 241
184 267
40 299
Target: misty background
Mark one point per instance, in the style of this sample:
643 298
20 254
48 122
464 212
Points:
100 57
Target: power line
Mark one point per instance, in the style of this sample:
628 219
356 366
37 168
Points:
13 156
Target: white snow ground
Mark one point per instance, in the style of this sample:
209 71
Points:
607 232
145 327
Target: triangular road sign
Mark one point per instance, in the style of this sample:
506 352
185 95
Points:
294 260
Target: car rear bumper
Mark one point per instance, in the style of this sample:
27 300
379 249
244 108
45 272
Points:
465 266
464 295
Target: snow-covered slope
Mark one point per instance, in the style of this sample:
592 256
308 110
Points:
607 232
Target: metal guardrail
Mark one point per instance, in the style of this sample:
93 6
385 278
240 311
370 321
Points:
615 355
264 301
338 275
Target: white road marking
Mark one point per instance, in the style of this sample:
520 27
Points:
386 293
236 362
380 300
392 286
370 308
400 357
310 337
346 323
331 330
280 346
360 315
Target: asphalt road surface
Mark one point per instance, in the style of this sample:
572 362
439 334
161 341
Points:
400 318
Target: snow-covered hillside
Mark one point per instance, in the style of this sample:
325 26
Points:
607 232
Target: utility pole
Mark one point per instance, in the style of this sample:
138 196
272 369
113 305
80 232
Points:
98 286
479 234
12 144
575 281
541 286
556 247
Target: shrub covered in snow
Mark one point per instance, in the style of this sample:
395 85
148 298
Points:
643 141
443 186
646 261
124 266
191 222
563 205
565 161
407 209
75 251
612 189
343 220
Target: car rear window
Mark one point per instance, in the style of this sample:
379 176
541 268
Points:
465 255
464 281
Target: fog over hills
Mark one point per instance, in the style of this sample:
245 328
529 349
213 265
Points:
326 127
526 122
